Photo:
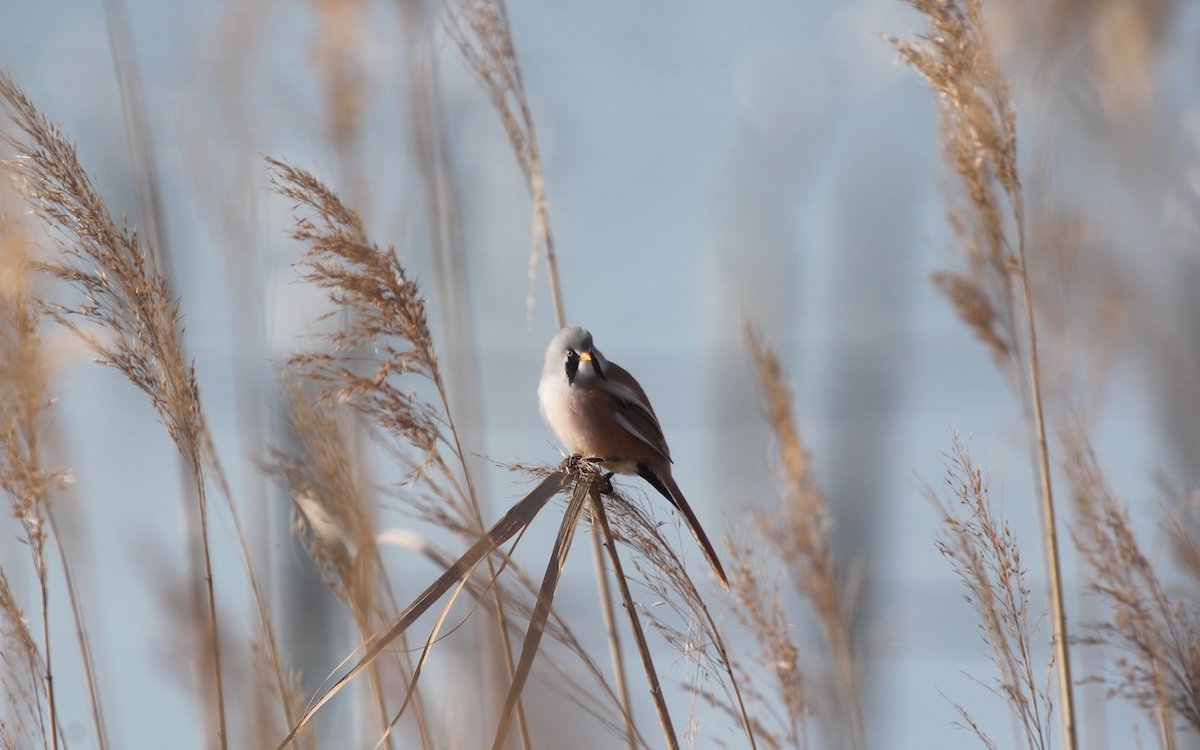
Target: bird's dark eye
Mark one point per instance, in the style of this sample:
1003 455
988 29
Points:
571 354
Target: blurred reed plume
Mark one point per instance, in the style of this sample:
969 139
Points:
1152 633
481 32
23 407
129 318
979 143
21 667
797 534
984 553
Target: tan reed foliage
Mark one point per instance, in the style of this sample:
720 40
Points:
24 417
1154 634
979 139
979 142
481 31
127 315
681 614
332 518
387 314
23 409
798 533
987 558
760 612
21 670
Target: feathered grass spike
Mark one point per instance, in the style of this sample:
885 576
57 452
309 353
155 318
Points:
128 315
760 611
799 533
978 125
23 404
21 673
332 518
1156 636
480 29
979 138
666 577
389 320
985 555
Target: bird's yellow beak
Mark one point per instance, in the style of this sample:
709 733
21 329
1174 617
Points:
585 356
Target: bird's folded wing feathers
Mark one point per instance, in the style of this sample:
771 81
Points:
635 415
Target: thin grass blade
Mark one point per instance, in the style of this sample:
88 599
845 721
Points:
541 610
517 518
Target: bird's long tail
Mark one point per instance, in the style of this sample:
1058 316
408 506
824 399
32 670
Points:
665 484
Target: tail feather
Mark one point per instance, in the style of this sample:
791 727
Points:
665 484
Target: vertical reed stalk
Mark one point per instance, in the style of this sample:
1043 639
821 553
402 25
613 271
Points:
1049 526
639 637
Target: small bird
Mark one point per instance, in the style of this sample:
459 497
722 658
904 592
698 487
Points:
600 412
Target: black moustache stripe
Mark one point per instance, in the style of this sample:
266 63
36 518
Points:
572 368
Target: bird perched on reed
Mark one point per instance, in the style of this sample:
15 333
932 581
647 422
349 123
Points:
600 412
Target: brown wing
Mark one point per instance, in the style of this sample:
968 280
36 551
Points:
636 414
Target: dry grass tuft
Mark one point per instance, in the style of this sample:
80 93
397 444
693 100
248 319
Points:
798 533
23 410
1155 636
387 314
979 140
127 315
760 611
21 670
480 29
986 557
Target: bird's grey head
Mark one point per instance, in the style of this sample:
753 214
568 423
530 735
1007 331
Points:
572 353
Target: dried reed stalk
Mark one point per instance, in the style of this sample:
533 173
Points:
387 316
666 577
333 520
800 536
1154 634
517 518
984 553
21 670
129 317
23 408
600 518
483 37
482 34
978 123
23 405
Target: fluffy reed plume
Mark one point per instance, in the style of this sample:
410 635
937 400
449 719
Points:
798 532
21 670
388 318
127 315
979 139
23 403
984 553
480 29
979 142
333 520
760 612
1155 635
24 406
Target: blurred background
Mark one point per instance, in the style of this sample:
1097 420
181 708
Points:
705 166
